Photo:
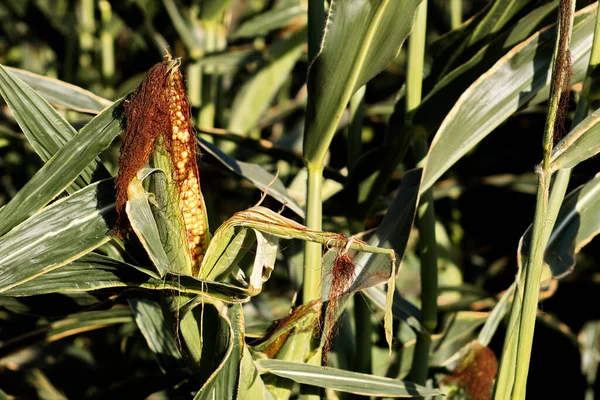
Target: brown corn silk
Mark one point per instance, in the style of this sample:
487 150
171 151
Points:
159 108
342 274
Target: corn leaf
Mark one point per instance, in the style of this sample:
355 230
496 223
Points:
57 235
228 244
279 16
44 128
230 60
145 226
489 21
251 385
497 16
578 222
72 325
224 381
157 332
361 38
368 179
459 330
440 100
513 81
259 177
62 94
258 93
62 169
580 144
372 269
94 272
344 381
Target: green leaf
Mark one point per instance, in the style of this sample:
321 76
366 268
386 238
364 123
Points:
275 18
580 144
341 380
62 94
93 272
513 81
63 168
372 269
498 15
471 35
229 61
393 232
44 128
588 345
158 334
496 316
458 331
369 178
440 100
361 38
199 36
259 177
155 216
222 253
145 227
258 92
223 383
73 325
251 385
60 233
578 222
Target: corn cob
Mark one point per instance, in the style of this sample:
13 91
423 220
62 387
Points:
159 108
191 202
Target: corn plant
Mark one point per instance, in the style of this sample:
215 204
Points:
269 202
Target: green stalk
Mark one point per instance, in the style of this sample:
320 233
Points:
312 274
311 288
514 367
455 13
108 47
425 213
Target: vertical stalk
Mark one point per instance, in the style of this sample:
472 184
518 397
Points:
312 255
312 274
425 213
455 13
514 367
108 48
